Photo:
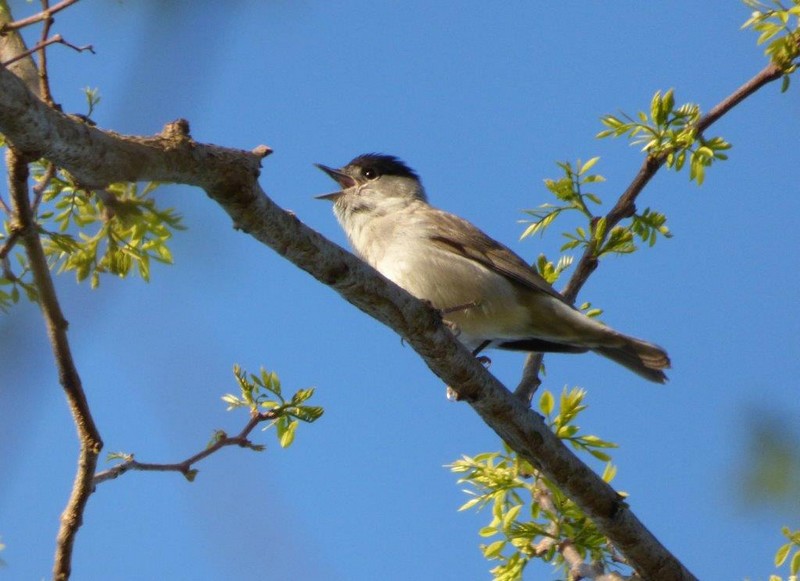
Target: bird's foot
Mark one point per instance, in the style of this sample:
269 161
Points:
452 327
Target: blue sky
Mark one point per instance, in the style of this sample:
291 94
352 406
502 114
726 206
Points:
481 100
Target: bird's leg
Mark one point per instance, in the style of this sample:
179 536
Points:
458 308
483 359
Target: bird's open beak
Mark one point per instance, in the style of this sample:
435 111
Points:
344 180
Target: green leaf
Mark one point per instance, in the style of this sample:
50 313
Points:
588 165
287 437
783 552
794 566
232 401
274 383
609 472
307 413
602 456
302 395
600 229
656 110
124 456
511 515
469 504
190 475
494 549
546 403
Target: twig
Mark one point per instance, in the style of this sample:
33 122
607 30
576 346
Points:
576 567
56 324
44 82
8 245
41 186
52 40
45 14
626 207
185 467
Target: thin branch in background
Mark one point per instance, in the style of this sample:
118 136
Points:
626 207
56 324
530 380
46 14
576 566
53 40
41 186
185 467
44 81
8 245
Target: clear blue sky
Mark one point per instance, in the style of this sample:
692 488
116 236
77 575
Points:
480 99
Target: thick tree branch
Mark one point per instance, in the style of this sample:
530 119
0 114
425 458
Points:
12 45
98 158
56 324
626 207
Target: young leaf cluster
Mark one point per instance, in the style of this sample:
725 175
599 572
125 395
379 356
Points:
569 191
110 231
669 133
779 28
115 230
531 517
262 393
621 239
14 285
783 554
551 272
564 426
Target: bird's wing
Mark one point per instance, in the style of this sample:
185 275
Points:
461 237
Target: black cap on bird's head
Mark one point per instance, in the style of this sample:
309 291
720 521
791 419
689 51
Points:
372 164
365 168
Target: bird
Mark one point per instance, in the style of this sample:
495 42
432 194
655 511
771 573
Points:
488 294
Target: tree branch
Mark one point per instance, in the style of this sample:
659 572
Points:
11 45
98 158
44 80
626 207
56 39
45 14
56 324
185 467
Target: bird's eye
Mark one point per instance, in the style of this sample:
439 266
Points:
369 173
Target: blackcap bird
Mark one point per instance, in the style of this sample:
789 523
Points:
488 294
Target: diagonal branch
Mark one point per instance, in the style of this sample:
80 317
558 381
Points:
626 207
56 324
98 158
185 467
45 14
40 46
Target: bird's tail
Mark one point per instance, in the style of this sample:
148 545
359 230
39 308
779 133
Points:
641 357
